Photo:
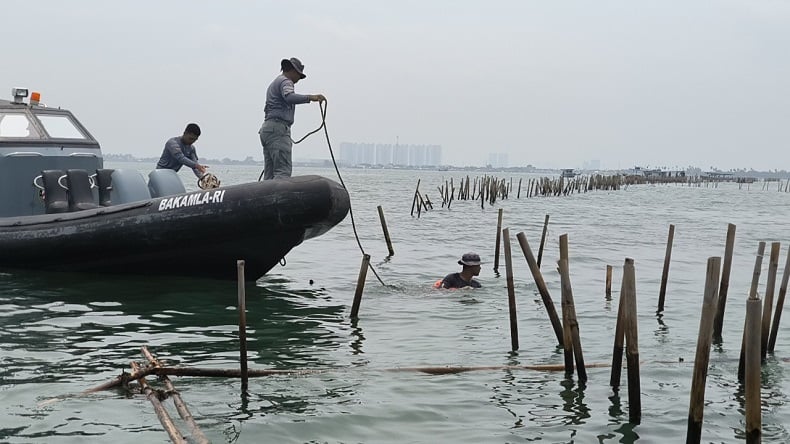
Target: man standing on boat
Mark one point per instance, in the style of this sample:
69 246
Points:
180 151
281 101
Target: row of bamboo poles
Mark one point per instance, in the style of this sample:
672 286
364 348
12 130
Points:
759 337
490 188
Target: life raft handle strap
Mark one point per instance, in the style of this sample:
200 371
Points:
60 182
35 183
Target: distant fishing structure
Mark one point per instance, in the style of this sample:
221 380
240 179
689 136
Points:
489 188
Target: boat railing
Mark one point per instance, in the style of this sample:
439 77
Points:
23 153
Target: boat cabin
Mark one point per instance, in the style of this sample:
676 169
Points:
36 138
49 163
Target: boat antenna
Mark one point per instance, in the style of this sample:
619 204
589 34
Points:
323 107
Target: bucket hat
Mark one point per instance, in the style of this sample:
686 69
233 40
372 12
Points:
470 259
296 64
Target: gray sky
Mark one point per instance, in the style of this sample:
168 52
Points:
552 83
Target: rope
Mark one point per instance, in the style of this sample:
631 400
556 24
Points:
323 106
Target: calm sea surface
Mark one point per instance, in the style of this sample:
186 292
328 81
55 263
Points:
63 333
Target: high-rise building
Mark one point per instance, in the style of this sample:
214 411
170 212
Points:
400 155
498 160
417 155
383 154
434 155
367 154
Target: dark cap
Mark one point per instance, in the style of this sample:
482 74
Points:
470 259
294 63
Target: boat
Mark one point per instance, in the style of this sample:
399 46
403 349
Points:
61 210
568 173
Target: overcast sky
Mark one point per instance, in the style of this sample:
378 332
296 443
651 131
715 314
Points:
552 83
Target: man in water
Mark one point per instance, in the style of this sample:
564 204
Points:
471 268
281 101
180 151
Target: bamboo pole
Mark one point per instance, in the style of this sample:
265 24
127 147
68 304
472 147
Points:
758 263
386 231
718 321
498 239
416 193
571 323
543 239
665 274
181 407
619 336
709 303
363 272
511 293
752 370
259 373
632 344
242 325
567 335
779 304
542 289
768 301
161 413
608 282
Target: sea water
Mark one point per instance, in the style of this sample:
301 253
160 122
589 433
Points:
63 333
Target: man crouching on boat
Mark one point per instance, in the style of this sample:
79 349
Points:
180 151
471 263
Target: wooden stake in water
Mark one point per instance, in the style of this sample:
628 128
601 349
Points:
571 322
663 290
758 263
542 289
183 411
498 239
709 302
608 282
242 325
543 239
718 322
632 343
780 302
619 338
161 412
363 273
768 301
511 293
416 194
386 231
752 370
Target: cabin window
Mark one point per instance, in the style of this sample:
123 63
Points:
60 126
17 125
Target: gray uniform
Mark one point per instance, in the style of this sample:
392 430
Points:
281 101
177 153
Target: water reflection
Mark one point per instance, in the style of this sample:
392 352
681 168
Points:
358 337
55 326
626 430
662 332
573 402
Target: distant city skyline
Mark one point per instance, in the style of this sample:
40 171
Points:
369 153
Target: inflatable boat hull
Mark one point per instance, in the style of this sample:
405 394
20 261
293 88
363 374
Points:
201 233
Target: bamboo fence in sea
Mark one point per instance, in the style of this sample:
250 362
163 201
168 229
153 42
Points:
491 188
